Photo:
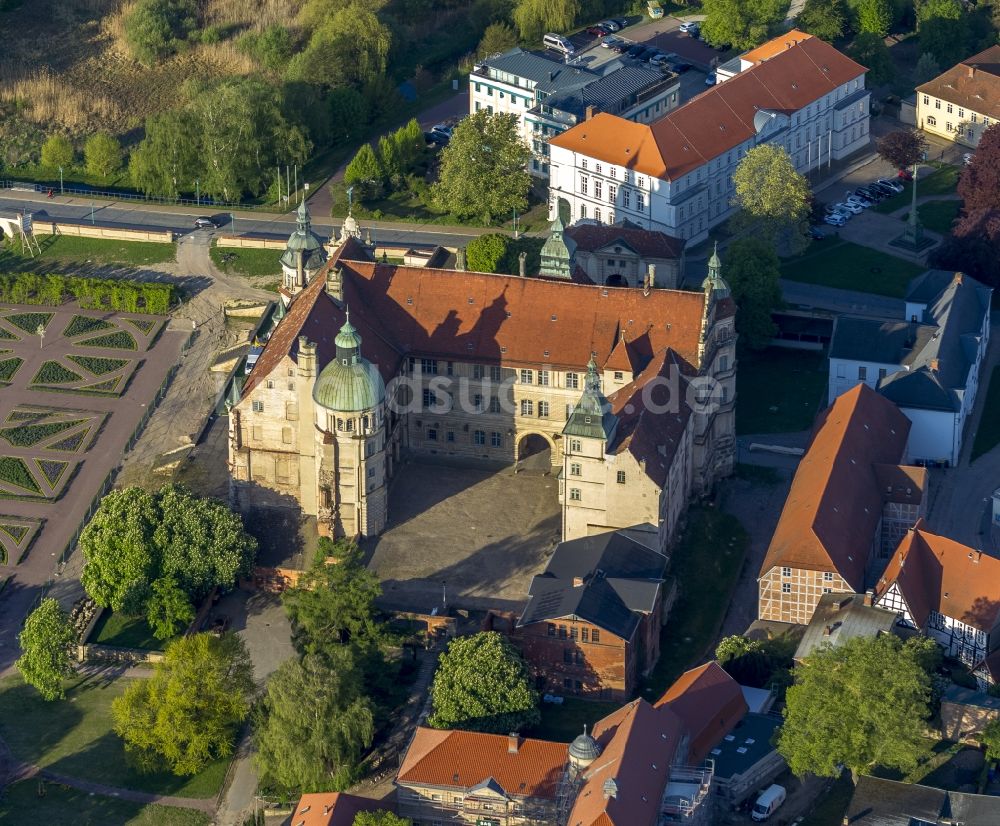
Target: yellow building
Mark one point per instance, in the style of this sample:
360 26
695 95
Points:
961 103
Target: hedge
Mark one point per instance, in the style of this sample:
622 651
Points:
15 472
92 293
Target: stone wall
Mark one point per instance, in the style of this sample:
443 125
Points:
91 231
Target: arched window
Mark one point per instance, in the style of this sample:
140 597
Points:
931 120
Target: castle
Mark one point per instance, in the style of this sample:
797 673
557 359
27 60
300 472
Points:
627 392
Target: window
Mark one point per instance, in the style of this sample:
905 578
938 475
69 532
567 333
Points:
621 477
931 120
597 215
862 373
258 407
948 127
543 410
583 163
619 375
575 445
595 635
597 189
574 469
432 434
723 363
974 118
429 398
573 632
584 183
270 385
562 632
494 404
428 366
527 407
450 436
526 377
496 440
640 201
961 112
881 373
584 634
567 684
543 378
286 435
597 168
627 198
494 374
612 193
572 381
949 110
291 385
927 101
574 495
568 655
583 210
477 371
479 437
786 571
786 587
551 629
937 104
828 576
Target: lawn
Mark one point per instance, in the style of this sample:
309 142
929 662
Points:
779 390
33 802
942 181
67 249
938 216
245 261
706 565
75 737
562 723
125 632
847 266
988 435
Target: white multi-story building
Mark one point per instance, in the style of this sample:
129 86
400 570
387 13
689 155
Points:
961 103
675 175
550 96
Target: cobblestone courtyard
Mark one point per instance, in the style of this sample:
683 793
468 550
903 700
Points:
479 535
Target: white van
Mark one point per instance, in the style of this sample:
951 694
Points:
768 802
558 43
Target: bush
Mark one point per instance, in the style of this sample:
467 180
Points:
57 151
52 372
95 293
271 48
158 28
103 154
485 253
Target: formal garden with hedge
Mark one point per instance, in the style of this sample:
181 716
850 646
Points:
92 293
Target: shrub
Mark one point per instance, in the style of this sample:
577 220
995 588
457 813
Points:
485 253
9 367
271 47
158 28
81 324
15 472
52 372
29 322
57 151
118 340
103 154
99 366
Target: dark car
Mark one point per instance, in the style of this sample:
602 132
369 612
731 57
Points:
816 234
635 50
679 67
882 189
624 46
204 222
598 31
869 193
621 21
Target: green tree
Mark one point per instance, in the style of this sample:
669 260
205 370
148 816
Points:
927 69
155 29
349 46
315 724
771 193
741 23
860 705
874 16
943 27
189 712
45 643
487 252
365 173
745 660
825 19
348 111
902 148
410 143
990 739
870 50
103 154
483 168
169 610
753 271
380 818
390 160
483 684
498 38
534 18
167 161
57 151
271 48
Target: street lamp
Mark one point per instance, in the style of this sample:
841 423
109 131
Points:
40 330
197 191
60 180
232 220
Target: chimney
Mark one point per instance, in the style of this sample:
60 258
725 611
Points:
307 358
935 365
645 285
577 581
326 809
827 631
335 284
958 278
869 597
522 261
513 743
971 72
460 259
590 111
651 274
552 75
978 556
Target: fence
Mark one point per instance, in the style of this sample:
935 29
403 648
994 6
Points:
124 195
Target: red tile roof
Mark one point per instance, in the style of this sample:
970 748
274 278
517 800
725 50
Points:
774 47
709 702
718 120
974 84
646 242
835 502
935 573
333 809
462 759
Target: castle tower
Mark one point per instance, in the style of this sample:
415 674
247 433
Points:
557 252
351 477
304 254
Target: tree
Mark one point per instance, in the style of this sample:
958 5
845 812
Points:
874 16
45 644
535 17
103 154
825 19
927 68
770 191
989 739
979 184
486 253
410 143
744 660
155 29
753 271
315 724
902 148
498 38
390 160
943 27
860 705
167 160
380 818
349 46
364 172
188 713
742 24
483 170
870 50
482 684
271 48
169 610
57 151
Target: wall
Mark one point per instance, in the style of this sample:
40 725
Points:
91 231
799 604
961 721
935 435
844 375
250 242
934 109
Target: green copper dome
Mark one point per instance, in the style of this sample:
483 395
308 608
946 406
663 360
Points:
349 383
714 282
303 240
592 416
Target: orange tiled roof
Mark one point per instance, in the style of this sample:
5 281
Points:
973 84
774 47
940 574
718 120
332 809
463 759
835 502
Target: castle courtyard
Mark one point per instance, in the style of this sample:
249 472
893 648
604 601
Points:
477 534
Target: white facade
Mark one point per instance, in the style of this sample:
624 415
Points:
846 373
830 128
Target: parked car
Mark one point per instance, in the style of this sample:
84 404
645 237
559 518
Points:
610 41
621 21
710 79
691 27
905 175
885 188
854 209
870 193
854 200
645 54
895 186
204 222
624 46
967 158
835 220
679 66
816 234
610 25
598 31
635 50
768 802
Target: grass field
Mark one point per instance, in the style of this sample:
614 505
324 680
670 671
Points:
70 249
847 266
988 435
706 565
75 737
31 801
125 632
942 181
779 390
248 262
938 216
